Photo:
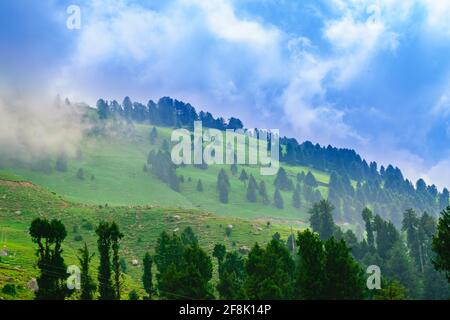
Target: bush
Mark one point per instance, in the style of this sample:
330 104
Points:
88 226
133 295
9 289
78 238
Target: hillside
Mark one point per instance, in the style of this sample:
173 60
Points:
114 175
22 201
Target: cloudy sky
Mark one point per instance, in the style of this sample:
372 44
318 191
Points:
369 75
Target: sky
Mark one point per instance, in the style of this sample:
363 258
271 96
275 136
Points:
373 76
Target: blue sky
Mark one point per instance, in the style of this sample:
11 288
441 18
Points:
369 75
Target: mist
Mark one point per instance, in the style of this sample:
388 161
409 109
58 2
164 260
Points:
35 126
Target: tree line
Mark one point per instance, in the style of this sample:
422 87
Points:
322 263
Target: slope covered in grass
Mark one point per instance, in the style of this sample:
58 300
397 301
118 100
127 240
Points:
21 202
114 175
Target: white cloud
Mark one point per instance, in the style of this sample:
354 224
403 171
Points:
438 12
439 174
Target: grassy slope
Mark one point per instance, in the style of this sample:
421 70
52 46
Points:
22 202
117 164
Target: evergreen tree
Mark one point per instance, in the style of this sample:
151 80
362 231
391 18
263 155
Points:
368 217
243 176
344 277
199 186
441 243
102 109
233 169
321 219
310 180
270 272
251 189
188 237
282 181
52 277
399 266
223 186
263 192
310 281
106 289
232 276
386 236
219 253
411 225
393 290
116 236
278 199
88 286
147 277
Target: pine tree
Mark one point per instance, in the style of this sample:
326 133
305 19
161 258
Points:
310 282
188 237
223 186
310 180
278 200
116 236
88 286
251 189
106 290
243 176
199 186
263 192
344 277
270 272
231 276
368 217
296 201
282 182
147 277
441 243
52 277
233 169
321 219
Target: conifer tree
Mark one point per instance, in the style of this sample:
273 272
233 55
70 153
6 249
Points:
263 192
88 286
278 199
251 189
199 185
147 277
243 176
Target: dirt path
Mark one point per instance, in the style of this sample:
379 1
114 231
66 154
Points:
16 184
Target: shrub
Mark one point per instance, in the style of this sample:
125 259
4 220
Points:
9 289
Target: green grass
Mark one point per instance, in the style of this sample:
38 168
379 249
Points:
141 225
115 165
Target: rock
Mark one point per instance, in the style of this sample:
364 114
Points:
33 285
177 217
3 253
244 250
230 226
135 262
